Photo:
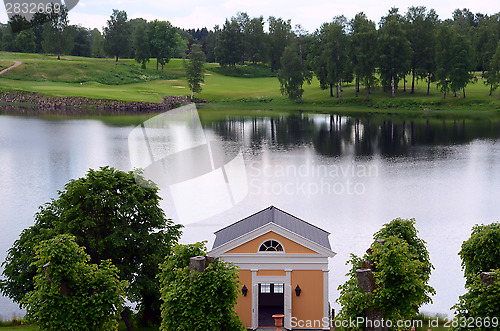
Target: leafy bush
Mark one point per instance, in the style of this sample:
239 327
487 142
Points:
401 269
479 308
198 301
70 293
481 252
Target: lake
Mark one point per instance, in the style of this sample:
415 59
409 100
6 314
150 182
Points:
344 174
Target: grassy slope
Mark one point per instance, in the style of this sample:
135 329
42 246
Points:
103 78
5 64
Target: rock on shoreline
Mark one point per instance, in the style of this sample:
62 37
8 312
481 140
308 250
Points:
31 103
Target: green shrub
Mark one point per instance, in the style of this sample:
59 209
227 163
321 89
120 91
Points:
401 269
70 293
198 301
481 252
479 308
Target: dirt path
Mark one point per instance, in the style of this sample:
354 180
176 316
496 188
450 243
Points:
16 64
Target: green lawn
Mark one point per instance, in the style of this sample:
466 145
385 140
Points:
42 68
104 78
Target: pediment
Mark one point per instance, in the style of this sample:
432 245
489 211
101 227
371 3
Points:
293 244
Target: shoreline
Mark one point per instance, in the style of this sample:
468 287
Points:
33 103
25 103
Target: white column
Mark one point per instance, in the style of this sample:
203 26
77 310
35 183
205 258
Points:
255 300
325 296
288 299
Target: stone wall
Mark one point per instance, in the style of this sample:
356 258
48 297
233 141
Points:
22 102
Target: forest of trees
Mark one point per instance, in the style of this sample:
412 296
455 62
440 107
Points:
451 52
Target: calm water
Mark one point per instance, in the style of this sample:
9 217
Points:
346 175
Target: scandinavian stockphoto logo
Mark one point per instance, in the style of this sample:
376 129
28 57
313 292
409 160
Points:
204 177
27 8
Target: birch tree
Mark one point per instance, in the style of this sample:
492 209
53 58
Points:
194 69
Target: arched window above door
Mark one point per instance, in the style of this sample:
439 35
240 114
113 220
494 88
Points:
271 246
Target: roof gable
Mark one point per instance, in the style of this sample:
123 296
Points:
276 229
278 217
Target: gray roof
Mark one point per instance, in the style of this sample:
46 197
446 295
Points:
276 216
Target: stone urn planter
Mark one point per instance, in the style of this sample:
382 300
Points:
278 321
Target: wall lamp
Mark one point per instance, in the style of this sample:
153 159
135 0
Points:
298 290
244 290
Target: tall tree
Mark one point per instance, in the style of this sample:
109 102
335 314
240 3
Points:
280 35
8 39
317 61
37 22
493 77
82 44
445 48
293 73
421 27
115 215
485 38
141 45
18 23
211 43
117 35
255 41
463 21
243 20
463 65
194 69
25 41
185 43
97 43
364 41
229 46
394 50
332 56
163 41
57 38
133 25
